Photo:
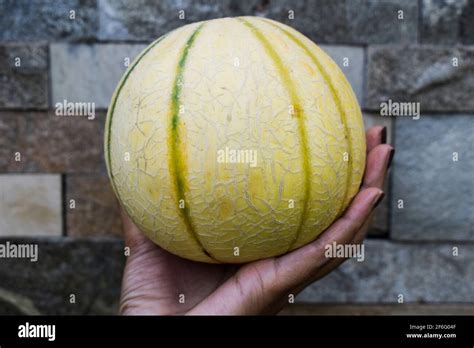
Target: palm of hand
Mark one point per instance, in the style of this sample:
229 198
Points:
157 282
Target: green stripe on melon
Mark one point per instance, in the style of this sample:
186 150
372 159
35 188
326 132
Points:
298 114
337 100
185 99
177 157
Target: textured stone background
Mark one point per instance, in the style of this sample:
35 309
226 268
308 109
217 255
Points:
409 251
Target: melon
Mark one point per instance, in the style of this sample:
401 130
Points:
233 140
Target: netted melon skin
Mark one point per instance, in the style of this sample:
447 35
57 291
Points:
243 84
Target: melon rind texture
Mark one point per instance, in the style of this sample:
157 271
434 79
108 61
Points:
241 83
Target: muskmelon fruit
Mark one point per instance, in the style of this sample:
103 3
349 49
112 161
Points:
243 85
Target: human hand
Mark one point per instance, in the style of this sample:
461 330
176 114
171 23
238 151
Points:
154 279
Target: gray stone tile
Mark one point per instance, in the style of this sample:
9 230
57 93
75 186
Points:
148 19
437 192
423 74
447 22
50 143
30 205
48 20
351 61
441 21
321 20
91 270
334 21
23 76
421 272
467 24
89 73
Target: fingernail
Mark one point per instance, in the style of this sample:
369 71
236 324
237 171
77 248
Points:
383 135
390 158
379 199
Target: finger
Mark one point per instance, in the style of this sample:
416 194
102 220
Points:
256 286
378 161
375 136
334 263
301 263
362 233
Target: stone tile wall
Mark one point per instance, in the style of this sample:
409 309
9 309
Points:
53 186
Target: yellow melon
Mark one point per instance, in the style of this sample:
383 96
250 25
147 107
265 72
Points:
234 139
